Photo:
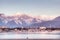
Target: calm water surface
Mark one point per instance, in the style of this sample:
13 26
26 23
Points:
30 36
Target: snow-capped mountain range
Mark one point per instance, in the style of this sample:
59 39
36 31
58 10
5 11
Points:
27 21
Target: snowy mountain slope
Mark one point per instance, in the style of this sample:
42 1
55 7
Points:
24 20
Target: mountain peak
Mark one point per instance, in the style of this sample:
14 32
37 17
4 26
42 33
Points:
18 14
57 18
1 14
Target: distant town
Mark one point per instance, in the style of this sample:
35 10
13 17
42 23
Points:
27 30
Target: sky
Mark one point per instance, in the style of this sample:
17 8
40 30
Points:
33 7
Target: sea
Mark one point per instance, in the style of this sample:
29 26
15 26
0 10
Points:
30 36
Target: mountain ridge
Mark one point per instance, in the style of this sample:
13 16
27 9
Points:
28 21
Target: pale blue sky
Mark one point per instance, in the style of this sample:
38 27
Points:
34 7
